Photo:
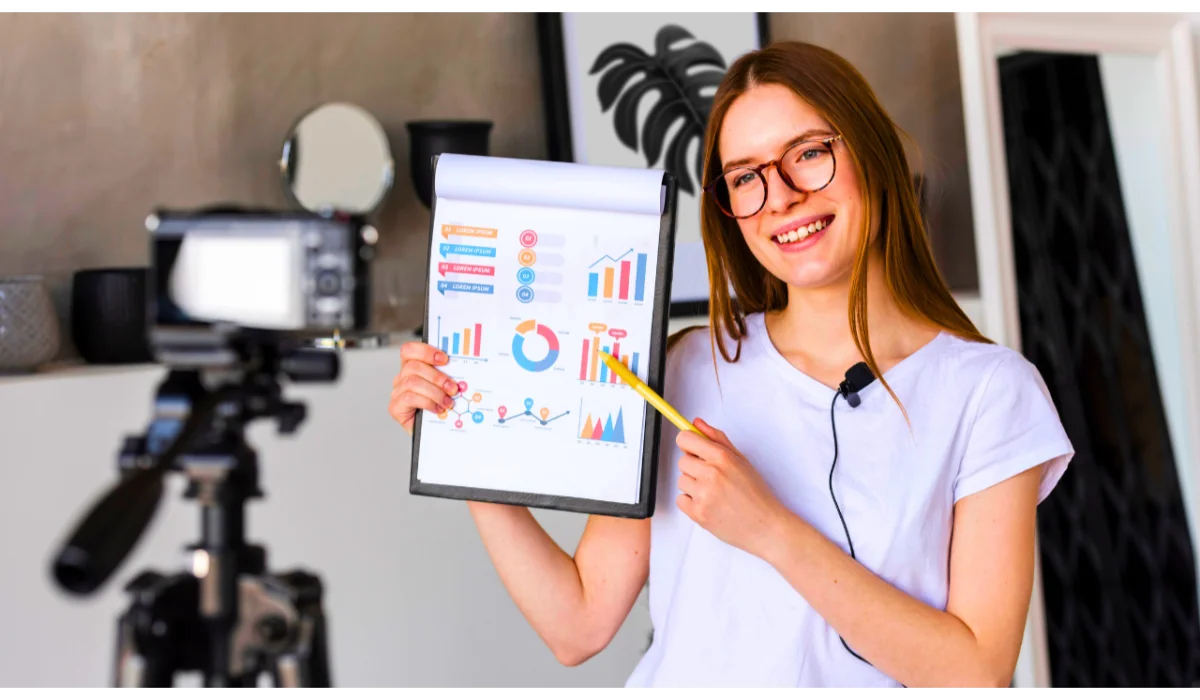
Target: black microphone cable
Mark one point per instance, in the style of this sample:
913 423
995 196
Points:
845 529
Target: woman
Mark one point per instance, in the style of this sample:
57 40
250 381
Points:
908 560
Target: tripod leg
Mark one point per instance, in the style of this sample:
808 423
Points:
306 664
281 630
137 664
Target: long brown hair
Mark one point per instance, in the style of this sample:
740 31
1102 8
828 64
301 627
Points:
836 90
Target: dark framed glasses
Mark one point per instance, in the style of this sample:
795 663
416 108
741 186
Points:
807 166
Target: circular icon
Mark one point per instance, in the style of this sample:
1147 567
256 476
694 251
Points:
528 404
442 415
525 275
477 416
502 410
462 387
529 238
518 346
458 423
525 294
476 397
527 257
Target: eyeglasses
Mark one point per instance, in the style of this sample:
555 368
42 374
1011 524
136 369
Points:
808 166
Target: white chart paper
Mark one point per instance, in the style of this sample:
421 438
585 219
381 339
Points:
536 266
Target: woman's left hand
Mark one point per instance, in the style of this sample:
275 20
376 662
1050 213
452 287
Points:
725 494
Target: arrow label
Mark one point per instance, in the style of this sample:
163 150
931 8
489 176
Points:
449 230
457 249
466 269
444 286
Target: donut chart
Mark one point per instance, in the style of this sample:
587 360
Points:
518 346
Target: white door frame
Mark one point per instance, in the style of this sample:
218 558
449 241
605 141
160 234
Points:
1167 38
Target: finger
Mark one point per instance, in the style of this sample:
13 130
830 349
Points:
433 376
700 446
406 403
688 484
422 352
713 434
695 468
685 504
417 386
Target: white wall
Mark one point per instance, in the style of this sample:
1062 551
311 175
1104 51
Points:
411 595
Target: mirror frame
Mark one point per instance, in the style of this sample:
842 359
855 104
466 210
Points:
1167 39
286 166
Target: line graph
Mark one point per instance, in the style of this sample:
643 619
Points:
542 416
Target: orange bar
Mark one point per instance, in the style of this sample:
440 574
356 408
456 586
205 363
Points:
608 282
466 341
595 357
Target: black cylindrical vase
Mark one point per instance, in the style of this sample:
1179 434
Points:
108 315
431 138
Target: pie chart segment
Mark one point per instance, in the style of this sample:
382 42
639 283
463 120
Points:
518 346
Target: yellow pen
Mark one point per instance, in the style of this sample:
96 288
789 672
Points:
647 393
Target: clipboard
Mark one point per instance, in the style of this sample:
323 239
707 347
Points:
608 286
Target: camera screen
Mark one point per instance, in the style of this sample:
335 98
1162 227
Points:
253 279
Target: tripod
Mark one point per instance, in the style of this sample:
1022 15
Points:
225 616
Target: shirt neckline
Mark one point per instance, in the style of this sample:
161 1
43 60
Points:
812 386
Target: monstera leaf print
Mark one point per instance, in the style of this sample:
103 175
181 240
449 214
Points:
679 76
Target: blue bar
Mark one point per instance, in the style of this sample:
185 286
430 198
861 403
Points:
455 343
593 284
445 344
639 289
634 363
604 367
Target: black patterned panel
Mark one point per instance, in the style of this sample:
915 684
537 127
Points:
1118 567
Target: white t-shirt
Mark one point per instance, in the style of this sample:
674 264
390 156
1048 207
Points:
980 414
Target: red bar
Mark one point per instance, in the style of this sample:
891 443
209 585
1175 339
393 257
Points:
478 332
624 284
612 376
583 362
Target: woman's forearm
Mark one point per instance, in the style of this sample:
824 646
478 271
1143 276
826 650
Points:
542 579
900 635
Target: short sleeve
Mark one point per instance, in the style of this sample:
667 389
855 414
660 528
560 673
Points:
1016 427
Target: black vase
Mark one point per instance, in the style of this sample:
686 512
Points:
108 315
431 138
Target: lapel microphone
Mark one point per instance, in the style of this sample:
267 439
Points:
857 378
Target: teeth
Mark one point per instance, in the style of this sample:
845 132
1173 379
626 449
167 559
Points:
801 233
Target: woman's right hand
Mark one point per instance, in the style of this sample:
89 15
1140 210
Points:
419 385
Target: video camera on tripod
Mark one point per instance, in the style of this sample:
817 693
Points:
238 300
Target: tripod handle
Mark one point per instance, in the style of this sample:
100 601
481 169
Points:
109 532
114 525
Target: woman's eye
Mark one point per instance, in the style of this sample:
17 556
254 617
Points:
743 179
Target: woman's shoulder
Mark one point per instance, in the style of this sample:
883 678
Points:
969 362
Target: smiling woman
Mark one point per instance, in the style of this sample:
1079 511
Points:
809 215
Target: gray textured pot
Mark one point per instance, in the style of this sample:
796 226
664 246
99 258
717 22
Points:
29 335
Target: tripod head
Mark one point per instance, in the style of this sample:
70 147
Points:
198 429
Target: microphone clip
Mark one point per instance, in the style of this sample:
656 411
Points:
850 393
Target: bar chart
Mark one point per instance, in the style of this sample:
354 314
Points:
466 342
608 340
623 278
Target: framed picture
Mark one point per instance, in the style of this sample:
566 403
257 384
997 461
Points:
635 89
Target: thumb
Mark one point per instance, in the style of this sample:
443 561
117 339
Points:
712 433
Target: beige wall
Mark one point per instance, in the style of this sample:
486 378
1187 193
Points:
911 61
103 117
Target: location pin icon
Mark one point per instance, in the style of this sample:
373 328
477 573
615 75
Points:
545 412
502 410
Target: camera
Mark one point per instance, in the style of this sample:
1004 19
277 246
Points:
238 300
225 279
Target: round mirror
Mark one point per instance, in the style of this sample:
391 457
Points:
337 159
